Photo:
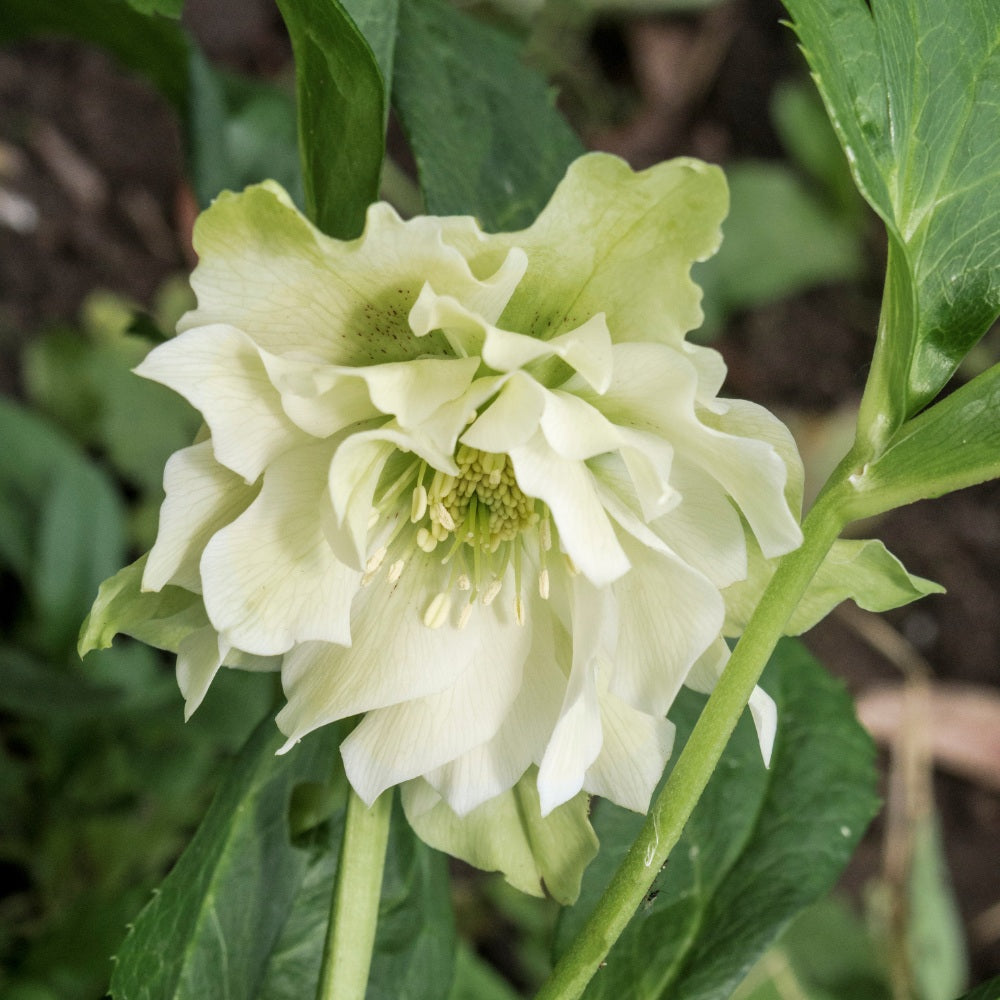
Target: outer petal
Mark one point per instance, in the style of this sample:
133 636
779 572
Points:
219 370
202 497
265 269
270 579
619 242
537 854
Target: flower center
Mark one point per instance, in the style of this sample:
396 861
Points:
479 520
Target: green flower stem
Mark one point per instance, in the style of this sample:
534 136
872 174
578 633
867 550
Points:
696 763
356 893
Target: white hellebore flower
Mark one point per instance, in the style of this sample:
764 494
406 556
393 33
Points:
476 489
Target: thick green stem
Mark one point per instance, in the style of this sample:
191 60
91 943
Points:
695 765
354 910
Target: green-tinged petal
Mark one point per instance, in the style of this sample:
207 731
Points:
392 745
586 348
202 497
634 750
862 570
199 656
161 619
567 488
621 243
394 656
219 370
324 399
509 834
511 418
266 270
270 578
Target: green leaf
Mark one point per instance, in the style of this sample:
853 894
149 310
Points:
377 22
341 114
415 938
954 444
210 929
63 523
912 96
239 132
986 991
760 845
485 134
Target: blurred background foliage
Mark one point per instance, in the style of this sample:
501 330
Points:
101 783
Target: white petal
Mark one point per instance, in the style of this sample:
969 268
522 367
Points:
218 369
202 497
491 768
704 529
324 399
270 578
567 488
394 656
635 749
511 418
670 614
576 430
577 738
199 657
406 740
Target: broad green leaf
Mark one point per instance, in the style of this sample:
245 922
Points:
985 991
485 134
913 97
341 114
63 523
760 846
377 22
951 445
152 46
240 132
414 948
779 239
210 929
